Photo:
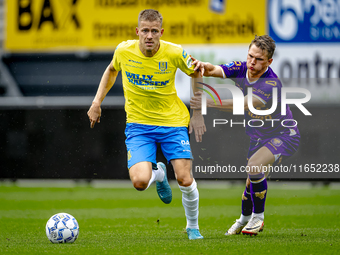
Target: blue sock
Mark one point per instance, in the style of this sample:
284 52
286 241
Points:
258 191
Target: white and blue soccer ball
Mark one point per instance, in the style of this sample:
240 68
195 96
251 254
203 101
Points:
62 228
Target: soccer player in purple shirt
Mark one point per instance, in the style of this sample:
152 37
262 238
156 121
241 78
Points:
272 141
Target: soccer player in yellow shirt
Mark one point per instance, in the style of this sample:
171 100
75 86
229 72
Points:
155 114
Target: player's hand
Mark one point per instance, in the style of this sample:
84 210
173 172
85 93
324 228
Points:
197 125
199 66
196 100
94 114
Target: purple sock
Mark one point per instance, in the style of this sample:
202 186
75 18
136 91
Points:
247 204
258 191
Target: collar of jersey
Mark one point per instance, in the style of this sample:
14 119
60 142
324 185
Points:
154 56
253 82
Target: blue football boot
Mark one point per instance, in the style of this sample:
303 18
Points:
194 234
163 188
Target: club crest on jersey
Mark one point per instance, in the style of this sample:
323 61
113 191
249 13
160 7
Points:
163 65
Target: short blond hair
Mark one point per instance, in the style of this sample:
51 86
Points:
150 15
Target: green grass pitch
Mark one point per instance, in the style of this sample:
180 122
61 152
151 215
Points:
125 221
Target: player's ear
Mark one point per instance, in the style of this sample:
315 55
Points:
270 61
162 31
137 31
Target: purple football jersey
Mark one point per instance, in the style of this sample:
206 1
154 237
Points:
274 124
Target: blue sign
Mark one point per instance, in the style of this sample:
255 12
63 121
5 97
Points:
218 5
304 21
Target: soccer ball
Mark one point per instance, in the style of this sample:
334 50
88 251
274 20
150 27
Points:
62 228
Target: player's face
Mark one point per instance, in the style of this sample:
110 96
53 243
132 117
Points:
257 62
149 35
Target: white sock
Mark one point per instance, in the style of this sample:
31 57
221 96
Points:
190 199
244 219
156 175
258 215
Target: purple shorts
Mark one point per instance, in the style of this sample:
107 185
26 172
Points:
282 146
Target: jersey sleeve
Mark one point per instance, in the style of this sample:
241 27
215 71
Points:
115 60
184 62
264 92
232 69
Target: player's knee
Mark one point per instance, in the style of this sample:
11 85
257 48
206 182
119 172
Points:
254 168
140 185
184 181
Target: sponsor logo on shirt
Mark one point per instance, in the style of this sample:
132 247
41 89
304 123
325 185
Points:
134 61
230 64
145 81
276 142
189 62
234 65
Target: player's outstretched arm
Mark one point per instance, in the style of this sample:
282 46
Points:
227 104
106 83
197 121
196 103
207 69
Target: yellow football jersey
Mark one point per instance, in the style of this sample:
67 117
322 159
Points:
149 83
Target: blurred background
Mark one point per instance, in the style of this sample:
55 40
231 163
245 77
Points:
53 54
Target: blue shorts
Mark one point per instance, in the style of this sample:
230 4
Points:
141 143
282 146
